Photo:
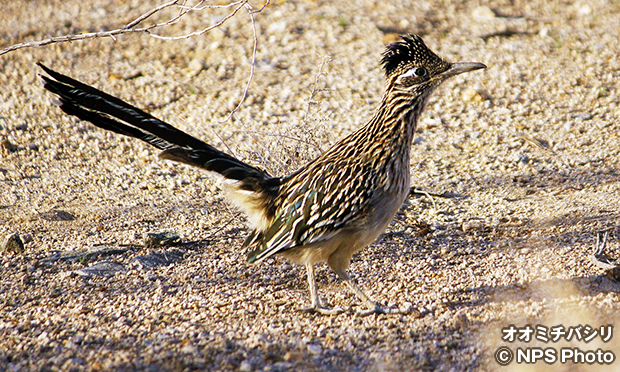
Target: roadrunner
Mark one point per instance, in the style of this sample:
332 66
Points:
327 210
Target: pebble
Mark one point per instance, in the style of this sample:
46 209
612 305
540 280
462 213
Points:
12 244
189 348
472 225
521 159
161 239
7 146
470 95
461 320
245 366
196 65
584 9
582 115
57 215
483 12
27 238
315 349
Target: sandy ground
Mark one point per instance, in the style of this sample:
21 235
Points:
525 155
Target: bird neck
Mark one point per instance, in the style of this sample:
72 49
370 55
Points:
385 141
395 120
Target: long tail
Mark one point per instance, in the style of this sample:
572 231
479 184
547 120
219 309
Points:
113 114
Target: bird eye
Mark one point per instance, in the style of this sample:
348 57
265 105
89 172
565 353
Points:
415 72
420 71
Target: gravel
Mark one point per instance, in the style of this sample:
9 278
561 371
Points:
519 164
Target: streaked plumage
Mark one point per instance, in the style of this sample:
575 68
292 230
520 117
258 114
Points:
327 210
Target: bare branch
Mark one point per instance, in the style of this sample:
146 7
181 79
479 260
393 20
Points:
131 26
184 9
92 35
325 60
261 8
239 4
247 86
252 63
149 13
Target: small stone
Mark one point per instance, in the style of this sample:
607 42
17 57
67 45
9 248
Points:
33 147
472 225
521 158
544 32
578 160
189 348
27 238
7 146
12 244
421 228
470 95
315 349
57 215
255 341
584 9
483 12
245 366
461 320
44 337
162 239
582 115
197 64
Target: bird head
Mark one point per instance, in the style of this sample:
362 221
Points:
411 66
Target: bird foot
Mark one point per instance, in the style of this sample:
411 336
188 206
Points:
318 309
387 310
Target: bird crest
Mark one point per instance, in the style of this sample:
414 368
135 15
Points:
409 51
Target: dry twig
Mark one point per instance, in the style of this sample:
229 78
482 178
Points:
184 9
324 61
131 27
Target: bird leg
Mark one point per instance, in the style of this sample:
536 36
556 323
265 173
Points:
315 301
372 307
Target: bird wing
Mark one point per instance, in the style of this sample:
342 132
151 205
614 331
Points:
319 205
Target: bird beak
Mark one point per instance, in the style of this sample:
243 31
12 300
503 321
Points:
459 68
